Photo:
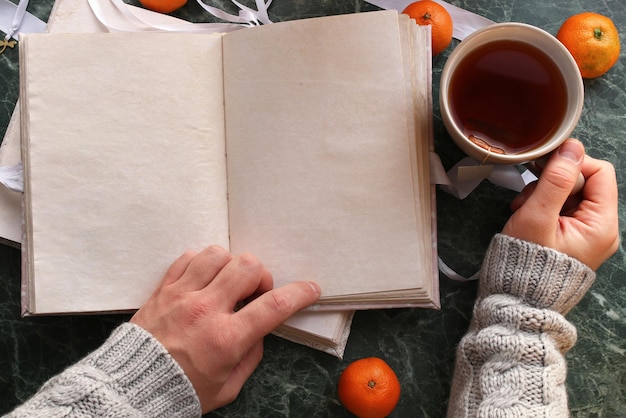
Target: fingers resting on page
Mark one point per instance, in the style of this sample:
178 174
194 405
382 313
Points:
194 314
584 225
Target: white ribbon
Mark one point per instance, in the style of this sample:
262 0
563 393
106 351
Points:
118 16
468 173
464 177
16 22
15 19
451 274
13 177
246 16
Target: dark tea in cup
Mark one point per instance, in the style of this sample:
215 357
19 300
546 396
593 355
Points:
510 93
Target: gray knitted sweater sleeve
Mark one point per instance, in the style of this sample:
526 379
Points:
511 361
130 375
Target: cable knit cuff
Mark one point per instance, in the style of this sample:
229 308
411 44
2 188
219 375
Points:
540 276
146 374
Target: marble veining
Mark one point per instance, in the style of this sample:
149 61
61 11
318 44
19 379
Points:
419 344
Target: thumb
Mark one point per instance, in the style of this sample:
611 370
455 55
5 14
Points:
558 178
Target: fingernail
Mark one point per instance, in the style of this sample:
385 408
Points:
316 288
571 150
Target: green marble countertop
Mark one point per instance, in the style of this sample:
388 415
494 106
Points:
419 344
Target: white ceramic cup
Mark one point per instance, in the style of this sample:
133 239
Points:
540 39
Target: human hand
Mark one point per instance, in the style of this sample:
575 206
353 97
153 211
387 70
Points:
192 313
584 226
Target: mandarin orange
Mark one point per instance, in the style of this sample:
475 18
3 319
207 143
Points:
428 12
593 41
163 6
369 388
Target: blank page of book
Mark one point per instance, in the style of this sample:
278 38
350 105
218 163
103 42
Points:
320 176
124 162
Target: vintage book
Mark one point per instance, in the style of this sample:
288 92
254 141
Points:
304 142
325 331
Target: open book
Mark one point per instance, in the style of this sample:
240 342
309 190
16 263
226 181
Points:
304 142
